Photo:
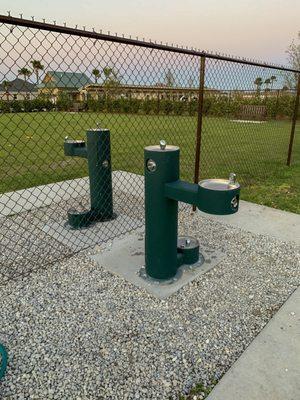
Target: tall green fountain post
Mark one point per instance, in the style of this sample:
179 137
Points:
97 151
161 213
164 251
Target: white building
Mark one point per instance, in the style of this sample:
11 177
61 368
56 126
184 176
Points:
18 89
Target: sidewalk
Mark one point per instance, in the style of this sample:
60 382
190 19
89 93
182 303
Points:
269 369
263 220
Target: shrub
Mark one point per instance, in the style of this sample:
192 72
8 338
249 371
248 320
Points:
95 105
179 107
192 107
135 106
281 106
125 105
5 106
166 106
147 106
16 106
64 103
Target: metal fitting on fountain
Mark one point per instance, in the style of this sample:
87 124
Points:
97 152
164 251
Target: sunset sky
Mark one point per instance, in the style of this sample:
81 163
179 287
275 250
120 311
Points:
260 29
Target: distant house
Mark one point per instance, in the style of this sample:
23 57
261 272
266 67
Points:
262 93
142 92
55 83
18 89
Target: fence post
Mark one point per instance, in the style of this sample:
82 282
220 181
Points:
277 103
294 121
199 121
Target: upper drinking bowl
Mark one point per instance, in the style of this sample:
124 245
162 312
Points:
219 184
219 196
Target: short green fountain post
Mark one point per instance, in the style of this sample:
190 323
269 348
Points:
97 151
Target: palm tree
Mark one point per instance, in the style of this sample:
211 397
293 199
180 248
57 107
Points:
191 82
273 79
96 74
37 67
111 77
258 82
267 83
169 79
6 85
25 72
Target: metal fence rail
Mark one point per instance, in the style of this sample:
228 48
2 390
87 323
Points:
55 82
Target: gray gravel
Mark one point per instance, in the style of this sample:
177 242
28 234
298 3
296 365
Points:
75 331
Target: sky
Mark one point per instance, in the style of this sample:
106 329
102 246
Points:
257 29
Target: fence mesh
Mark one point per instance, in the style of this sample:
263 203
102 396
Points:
55 85
248 127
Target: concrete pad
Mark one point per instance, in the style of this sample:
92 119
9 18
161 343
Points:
128 182
78 239
41 196
126 258
269 369
263 220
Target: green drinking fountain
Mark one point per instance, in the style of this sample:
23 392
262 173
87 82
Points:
164 251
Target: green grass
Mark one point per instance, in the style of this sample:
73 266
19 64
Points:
31 151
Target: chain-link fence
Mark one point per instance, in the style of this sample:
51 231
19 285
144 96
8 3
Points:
57 82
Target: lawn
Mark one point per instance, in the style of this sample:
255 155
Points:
31 150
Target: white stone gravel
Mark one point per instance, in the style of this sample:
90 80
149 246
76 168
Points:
75 331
